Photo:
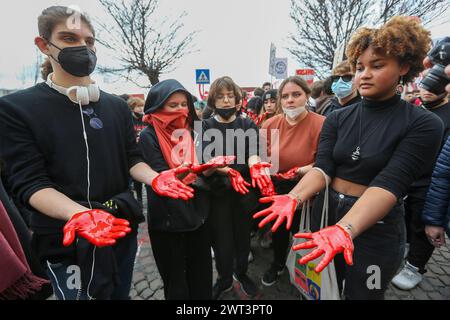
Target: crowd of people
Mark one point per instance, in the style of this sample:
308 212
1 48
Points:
75 160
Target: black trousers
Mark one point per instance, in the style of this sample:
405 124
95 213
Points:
184 263
420 249
280 238
138 188
378 251
280 241
231 223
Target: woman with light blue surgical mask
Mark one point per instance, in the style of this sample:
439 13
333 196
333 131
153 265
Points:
343 88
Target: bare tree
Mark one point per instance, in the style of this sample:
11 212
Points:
426 10
323 25
141 44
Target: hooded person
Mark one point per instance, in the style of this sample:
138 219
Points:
178 228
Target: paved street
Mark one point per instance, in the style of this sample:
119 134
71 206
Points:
147 284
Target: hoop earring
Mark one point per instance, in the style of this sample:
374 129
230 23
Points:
400 86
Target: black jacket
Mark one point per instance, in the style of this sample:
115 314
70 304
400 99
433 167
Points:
333 104
167 214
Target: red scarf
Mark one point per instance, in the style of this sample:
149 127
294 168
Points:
179 148
16 279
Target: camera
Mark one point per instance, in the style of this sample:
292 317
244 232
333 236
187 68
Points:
437 79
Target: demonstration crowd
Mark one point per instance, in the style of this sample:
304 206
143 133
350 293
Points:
347 174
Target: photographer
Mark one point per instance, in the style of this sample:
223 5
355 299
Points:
440 72
420 250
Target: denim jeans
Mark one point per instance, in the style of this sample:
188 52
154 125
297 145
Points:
378 251
84 272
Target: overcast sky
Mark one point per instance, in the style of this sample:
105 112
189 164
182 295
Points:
234 39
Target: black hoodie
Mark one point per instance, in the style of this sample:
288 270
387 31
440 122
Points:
166 214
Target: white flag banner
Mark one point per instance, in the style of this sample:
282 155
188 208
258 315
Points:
280 68
272 58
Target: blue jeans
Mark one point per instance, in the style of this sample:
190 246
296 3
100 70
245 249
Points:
87 272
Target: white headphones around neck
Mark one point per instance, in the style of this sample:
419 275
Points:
84 95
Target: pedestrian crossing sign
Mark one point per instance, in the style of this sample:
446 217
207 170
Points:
202 76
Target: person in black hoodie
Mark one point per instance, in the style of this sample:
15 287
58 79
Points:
69 149
177 228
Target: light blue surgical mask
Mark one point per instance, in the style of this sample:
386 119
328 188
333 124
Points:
342 89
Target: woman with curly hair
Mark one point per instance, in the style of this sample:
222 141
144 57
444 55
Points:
370 153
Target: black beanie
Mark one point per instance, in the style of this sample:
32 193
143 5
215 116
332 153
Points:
270 94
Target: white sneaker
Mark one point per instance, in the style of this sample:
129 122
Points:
250 257
408 278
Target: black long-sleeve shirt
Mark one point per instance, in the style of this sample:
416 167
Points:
399 142
42 145
238 138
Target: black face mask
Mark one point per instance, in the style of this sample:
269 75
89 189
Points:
432 104
138 115
226 113
77 61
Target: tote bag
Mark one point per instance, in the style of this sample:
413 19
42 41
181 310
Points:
312 285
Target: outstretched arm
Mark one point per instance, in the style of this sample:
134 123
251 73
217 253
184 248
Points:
283 206
166 183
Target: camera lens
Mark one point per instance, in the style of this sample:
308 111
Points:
436 80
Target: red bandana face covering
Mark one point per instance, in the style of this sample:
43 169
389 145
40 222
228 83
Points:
174 136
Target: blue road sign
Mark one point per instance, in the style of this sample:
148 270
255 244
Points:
202 76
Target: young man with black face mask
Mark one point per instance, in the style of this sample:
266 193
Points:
420 249
69 150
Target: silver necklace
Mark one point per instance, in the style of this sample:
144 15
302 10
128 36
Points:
356 154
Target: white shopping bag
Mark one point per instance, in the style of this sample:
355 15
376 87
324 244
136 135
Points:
312 285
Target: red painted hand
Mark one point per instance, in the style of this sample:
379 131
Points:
289 175
238 183
269 190
282 208
217 162
330 240
97 226
260 175
167 184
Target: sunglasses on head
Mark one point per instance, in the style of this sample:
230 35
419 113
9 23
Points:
346 78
